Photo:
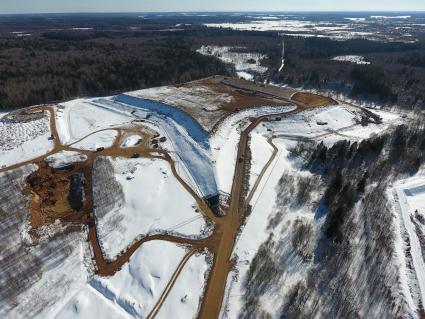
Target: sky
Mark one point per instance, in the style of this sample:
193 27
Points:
53 6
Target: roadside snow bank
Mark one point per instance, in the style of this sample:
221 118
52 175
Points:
261 152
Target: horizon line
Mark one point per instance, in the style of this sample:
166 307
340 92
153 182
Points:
227 11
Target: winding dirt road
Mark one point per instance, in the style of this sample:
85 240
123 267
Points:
220 243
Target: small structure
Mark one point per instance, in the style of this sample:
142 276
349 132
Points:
321 123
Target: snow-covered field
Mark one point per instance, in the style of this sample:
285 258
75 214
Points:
21 141
186 295
356 59
78 118
97 140
329 123
281 25
246 64
65 158
150 193
303 28
224 141
134 290
89 303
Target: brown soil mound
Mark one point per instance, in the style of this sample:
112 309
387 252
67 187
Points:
311 100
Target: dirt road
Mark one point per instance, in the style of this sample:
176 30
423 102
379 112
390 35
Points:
220 243
229 226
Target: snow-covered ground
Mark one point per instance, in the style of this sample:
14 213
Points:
97 140
78 118
246 64
134 290
190 97
186 295
302 28
261 151
201 101
150 193
21 141
356 59
265 202
256 232
89 303
408 197
131 141
281 25
322 124
65 158
224 141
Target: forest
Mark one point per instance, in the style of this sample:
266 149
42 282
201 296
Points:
53 60
59 65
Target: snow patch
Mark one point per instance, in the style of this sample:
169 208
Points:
150 195
356 59
65 158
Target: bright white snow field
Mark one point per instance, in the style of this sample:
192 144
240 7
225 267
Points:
154 202
23 141
185 297
225 139
78 118
132 291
